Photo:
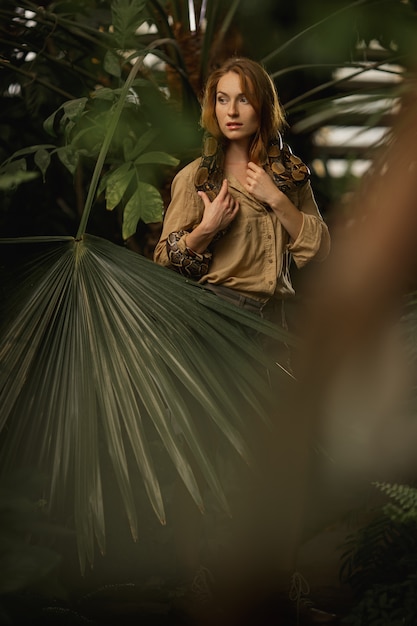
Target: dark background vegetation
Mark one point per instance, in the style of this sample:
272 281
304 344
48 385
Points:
63 51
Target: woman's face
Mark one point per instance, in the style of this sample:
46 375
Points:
236 117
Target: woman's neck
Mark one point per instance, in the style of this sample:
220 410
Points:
237 153
236 161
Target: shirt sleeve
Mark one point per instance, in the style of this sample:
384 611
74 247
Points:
184 212
313 241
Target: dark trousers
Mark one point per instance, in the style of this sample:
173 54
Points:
272 310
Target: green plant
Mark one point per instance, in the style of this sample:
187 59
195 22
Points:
130 181
380 562
101 350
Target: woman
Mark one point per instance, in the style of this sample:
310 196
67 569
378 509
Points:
237 216
242 210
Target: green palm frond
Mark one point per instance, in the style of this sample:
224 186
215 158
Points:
103 344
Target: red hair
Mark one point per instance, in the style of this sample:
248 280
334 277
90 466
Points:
260 90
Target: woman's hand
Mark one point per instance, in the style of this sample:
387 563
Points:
216 217
219 213
263 188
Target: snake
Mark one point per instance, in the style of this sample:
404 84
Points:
286 169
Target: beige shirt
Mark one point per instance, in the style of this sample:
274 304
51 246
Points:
252 256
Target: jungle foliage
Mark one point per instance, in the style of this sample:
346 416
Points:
105 356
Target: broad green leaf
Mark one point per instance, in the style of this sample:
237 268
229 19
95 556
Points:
66 127
112 66
29 150
49 123
129 143
68 157
105 93
127 16
117 183
161 158
9 180
17 165
73 109
145 140
88 140
145 204
42 159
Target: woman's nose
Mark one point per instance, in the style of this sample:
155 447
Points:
232 108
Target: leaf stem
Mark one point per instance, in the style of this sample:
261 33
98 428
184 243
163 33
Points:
105 147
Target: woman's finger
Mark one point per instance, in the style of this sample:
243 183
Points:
223 190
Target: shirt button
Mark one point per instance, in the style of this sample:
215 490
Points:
269 236
270 260
271 282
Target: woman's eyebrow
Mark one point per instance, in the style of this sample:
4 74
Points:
223 93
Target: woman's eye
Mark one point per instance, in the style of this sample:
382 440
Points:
244 100
221 99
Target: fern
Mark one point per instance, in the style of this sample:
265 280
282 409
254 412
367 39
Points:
404 507
387 605
380 562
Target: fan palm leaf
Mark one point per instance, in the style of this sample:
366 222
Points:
100 343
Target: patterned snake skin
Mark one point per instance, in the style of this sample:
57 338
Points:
287 170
